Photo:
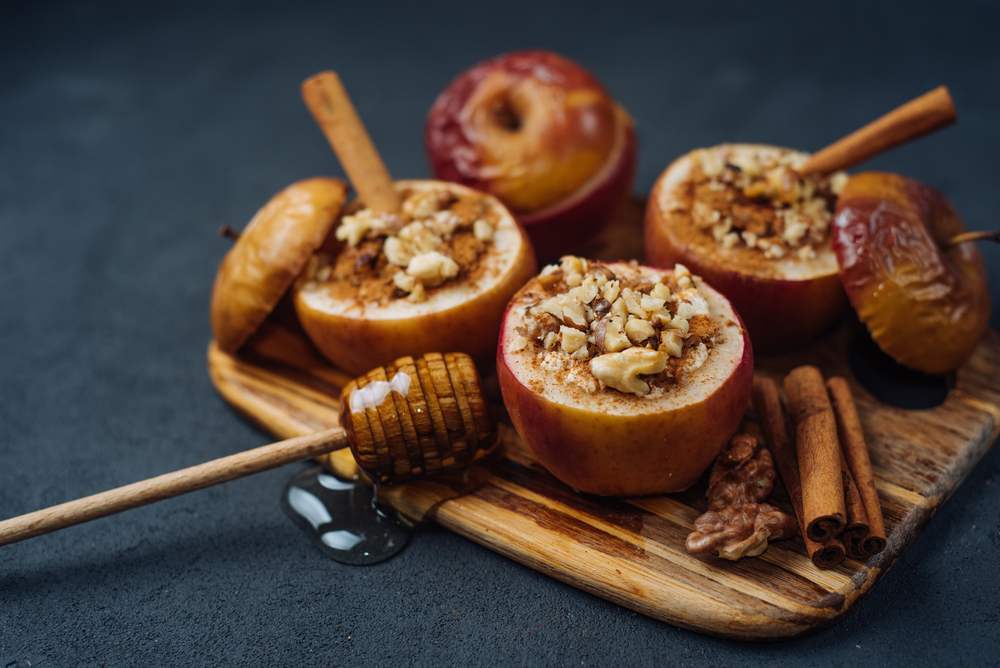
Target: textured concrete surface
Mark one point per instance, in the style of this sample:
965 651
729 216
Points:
130 131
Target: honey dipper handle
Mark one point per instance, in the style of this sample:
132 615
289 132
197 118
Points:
927 113
170 485
330 105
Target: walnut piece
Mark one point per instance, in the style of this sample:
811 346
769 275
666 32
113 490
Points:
621 370
738 524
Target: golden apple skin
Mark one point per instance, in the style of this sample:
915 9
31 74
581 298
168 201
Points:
784 305
576 221
629 452
544 136
269 254
358 341
924 306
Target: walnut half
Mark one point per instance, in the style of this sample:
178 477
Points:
737 523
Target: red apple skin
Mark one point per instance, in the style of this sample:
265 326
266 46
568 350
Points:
627 455
924 306
358 344
567 166
780 313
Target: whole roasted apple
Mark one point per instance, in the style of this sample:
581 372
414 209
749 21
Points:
435 277
543 135
924 301
744 219
623 379
269 254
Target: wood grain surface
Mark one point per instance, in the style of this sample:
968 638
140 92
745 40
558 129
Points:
631 550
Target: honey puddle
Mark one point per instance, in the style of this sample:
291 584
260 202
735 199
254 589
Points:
342 518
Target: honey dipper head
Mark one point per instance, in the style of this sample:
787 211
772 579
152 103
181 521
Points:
417 416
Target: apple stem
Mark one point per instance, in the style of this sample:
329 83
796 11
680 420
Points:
982 235
228 232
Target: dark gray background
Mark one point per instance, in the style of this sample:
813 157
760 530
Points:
130 131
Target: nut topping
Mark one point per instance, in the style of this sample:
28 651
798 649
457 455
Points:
437 237
743 198
637 333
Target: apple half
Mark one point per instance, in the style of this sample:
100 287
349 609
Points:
925 304
648 439
460 315
269 254
784 301
543 135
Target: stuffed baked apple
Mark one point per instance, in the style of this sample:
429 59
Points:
436 276
744 219
623 379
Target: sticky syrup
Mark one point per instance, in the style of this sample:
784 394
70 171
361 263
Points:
341 517
358 523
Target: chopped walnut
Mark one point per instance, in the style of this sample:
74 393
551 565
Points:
671 343
634 333
397 251
437 236
738 524
572 339
482 230
432 269
409 284
754 197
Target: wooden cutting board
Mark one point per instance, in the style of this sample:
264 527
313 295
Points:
631 551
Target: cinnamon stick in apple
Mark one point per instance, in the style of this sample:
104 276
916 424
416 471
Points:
330 105
927 113
852 440
773 425
818 451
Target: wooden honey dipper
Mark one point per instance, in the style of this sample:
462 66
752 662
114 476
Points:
414 417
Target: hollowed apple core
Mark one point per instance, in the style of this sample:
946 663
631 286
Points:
613 443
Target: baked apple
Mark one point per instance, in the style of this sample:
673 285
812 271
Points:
740 216
926 303
623 379
437 276
544 136
269 254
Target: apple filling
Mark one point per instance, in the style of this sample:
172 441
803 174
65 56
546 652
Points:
438 237
633 330
756 199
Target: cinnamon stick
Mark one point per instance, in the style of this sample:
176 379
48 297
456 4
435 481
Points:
925 114
773 425
819 453
857 527
330 105
852 440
